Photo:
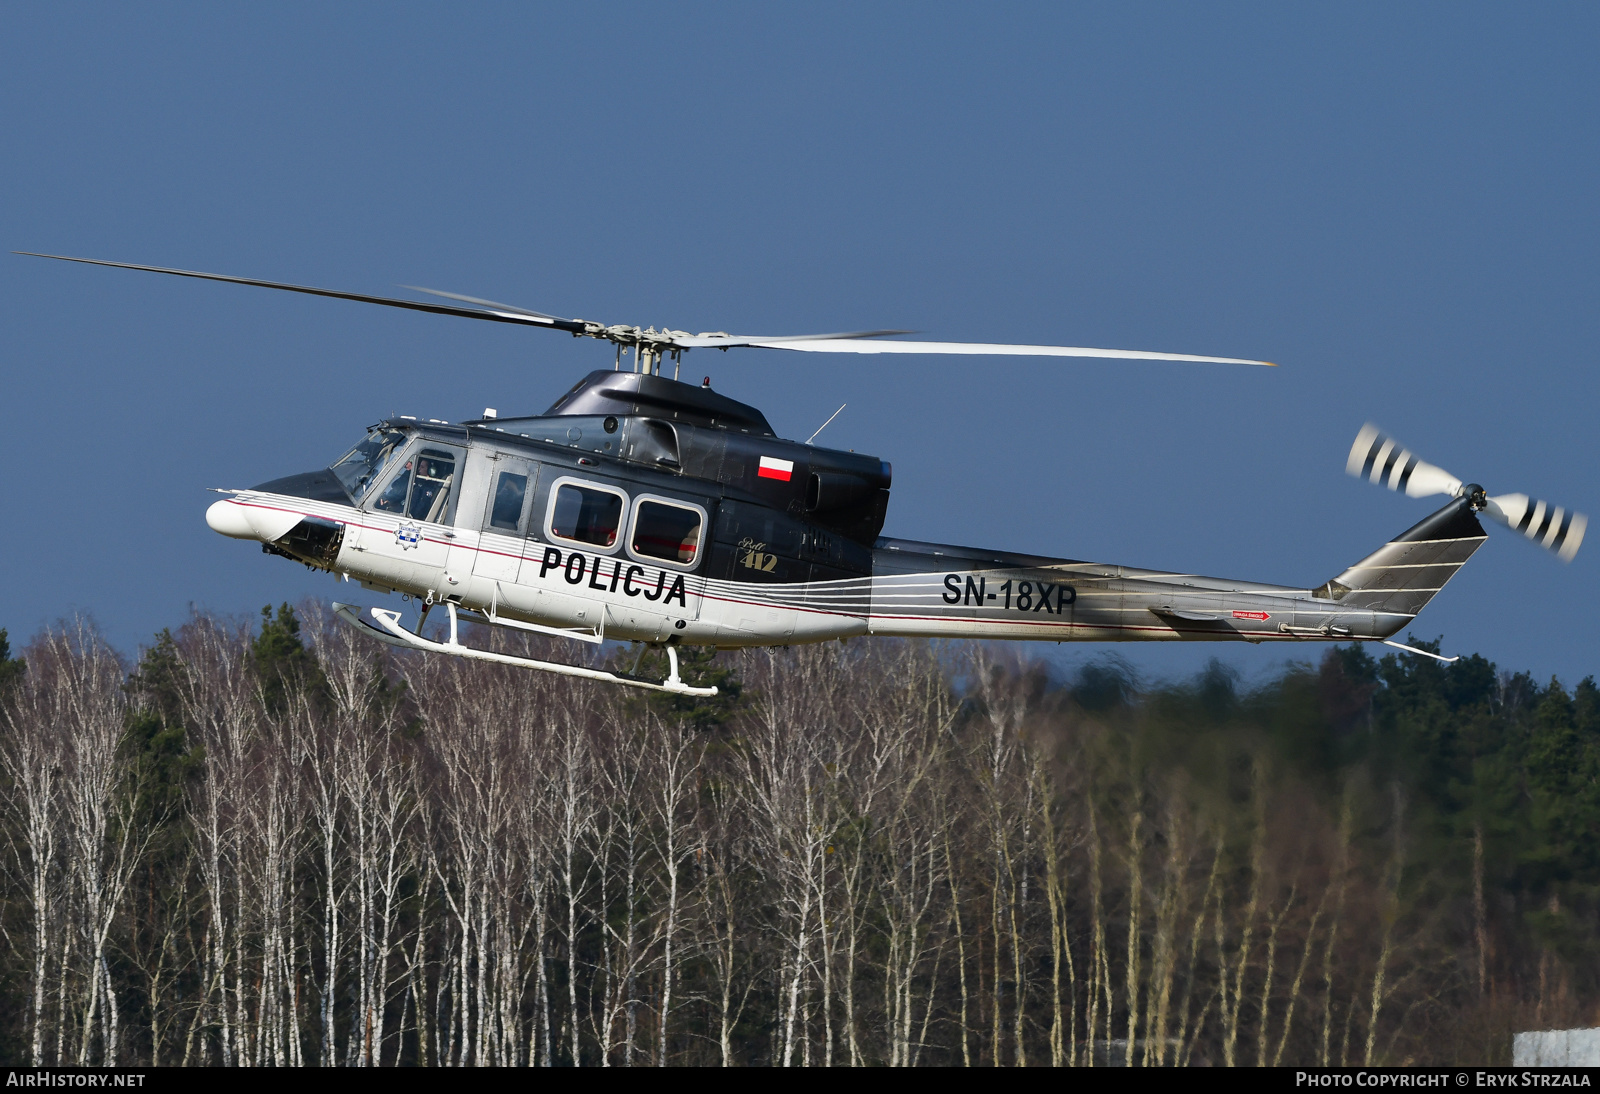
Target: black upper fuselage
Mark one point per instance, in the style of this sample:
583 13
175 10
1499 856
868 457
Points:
809 514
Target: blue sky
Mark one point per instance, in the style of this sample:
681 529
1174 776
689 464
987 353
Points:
1396 202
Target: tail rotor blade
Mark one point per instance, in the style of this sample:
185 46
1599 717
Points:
1550 526
1380 459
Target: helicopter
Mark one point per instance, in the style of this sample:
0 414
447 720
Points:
646 509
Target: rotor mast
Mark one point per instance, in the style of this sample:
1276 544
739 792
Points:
651 348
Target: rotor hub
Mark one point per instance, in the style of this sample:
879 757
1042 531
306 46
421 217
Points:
1475 496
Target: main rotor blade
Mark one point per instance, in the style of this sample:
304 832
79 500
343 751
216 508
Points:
505 315
728 341
486 303
1380 459
856 344
844 342
1550 526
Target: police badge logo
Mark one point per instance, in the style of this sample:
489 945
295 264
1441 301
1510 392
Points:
408 536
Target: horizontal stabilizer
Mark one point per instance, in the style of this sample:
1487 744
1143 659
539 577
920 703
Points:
1193 617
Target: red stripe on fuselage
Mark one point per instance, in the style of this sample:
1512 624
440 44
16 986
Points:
705 594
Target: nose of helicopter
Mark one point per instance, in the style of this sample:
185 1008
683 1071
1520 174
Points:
267 523
230 519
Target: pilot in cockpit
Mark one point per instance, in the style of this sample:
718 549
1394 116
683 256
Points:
393 500
421 490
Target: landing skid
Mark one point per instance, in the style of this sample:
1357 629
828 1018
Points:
385 627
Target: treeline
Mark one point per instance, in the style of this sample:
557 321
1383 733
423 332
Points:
283 844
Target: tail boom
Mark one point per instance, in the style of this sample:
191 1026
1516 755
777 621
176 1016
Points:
936 590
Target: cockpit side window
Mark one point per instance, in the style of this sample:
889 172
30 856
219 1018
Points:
393 499
422 488
360 468
430 486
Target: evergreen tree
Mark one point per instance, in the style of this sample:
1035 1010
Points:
698 667
281 660
11 668
156 737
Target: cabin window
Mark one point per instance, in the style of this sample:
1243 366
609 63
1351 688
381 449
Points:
421 490
665 531
586 514
509 490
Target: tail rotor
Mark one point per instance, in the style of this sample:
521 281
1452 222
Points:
1380 459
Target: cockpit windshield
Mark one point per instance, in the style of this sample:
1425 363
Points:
364 463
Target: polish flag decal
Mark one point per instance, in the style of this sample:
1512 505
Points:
782 470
